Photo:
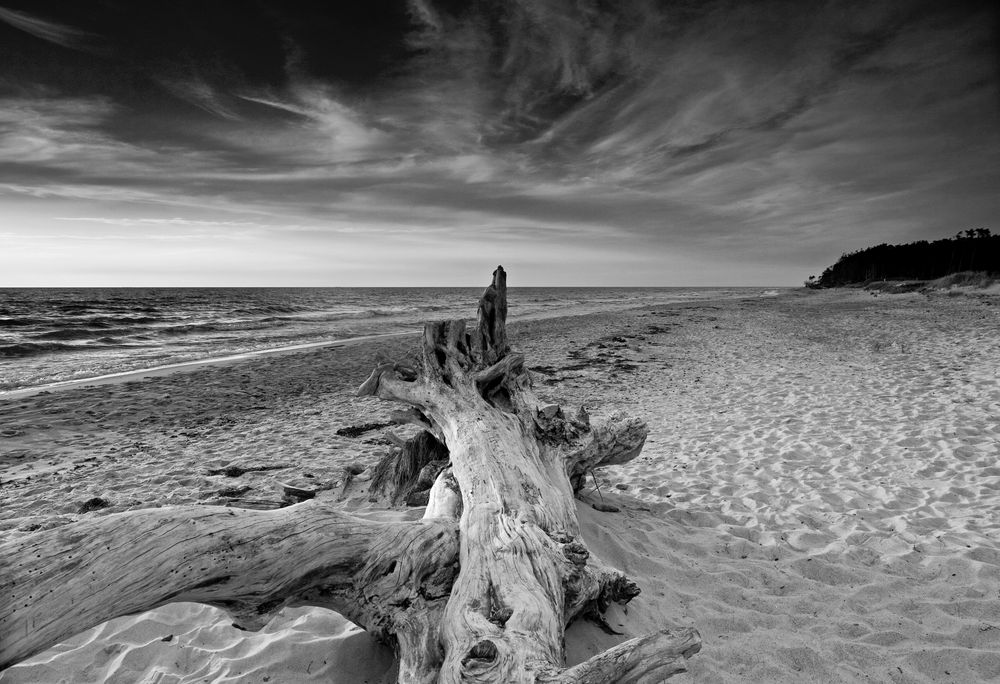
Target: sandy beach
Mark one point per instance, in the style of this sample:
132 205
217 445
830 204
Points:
819 494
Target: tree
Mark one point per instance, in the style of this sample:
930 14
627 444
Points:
480 590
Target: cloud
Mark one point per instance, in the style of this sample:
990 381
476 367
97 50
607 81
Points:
146 221
335 132
198 92
59 34
52 129
637 128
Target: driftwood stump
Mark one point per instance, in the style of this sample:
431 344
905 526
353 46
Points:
480 590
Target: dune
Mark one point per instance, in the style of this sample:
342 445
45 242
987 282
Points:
819 494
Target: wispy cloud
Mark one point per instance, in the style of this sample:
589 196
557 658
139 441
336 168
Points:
54 129
145 221
203 96
53 32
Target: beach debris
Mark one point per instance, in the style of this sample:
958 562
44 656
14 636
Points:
351 473
356 430
258 504
409 469
234 492
296 492
604 507
237 471
94 504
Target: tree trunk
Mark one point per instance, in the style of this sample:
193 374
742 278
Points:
480 590
524 573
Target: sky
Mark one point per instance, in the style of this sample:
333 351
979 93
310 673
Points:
422 142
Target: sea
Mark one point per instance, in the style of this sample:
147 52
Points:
53 336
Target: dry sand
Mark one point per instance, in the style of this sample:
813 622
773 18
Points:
819 494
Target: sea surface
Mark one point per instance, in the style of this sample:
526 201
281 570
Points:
50 336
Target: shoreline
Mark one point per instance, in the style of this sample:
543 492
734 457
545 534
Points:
186 366
195 364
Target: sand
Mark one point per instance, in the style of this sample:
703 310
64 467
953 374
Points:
819 494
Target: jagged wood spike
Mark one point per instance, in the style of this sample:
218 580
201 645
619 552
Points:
491 334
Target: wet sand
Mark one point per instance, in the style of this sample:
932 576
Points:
819 494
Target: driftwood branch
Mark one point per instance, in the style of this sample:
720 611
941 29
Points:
618 440
645 660
251 563
500 369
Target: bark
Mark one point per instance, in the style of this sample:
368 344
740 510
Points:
409 470
645 660
56 583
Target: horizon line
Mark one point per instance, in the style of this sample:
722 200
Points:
386 287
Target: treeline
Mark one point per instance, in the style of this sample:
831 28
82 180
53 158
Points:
972 250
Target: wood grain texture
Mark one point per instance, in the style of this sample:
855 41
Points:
524 572
59 582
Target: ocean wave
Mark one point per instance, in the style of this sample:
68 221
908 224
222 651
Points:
23 349
21 322
213 326
109 321
66 334
80 307
86 333
61 324
270 309
355 314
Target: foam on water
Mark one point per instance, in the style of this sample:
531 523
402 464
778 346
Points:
56 335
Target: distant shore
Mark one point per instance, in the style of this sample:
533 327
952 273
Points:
819 493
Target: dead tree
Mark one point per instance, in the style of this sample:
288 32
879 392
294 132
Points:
480 590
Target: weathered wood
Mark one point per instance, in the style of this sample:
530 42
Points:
645 660
445 498
492 331
617 440
401 472
58 582
524 573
